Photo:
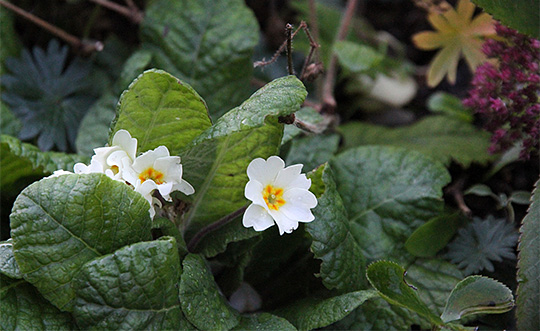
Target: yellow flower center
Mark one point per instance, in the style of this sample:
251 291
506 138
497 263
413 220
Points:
115 169
153 174
273 197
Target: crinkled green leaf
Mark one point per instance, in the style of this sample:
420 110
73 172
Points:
449 105
207 43
520 15
433 236
388 279
9 123
388 193
162 227
313 313
134 288
23 308
60 223
343 265
312 151
477 295
21 160
264 321
528 276
158 109
8 265
216 162
201 301
356 57
440 137
133 67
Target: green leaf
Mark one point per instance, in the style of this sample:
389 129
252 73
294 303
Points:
264 321
312 151
440 137
60 223
356 57
201 301
23 308
20 160
11 45
133 67
431 237
313 313
343 265
528 275
477 295
449 105
134 288
480 190
158 109
307 115
520 197
520 15
207 43
8 265
9 123
388 193
164 227
216 162
388 279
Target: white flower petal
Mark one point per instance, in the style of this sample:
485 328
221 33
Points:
288 175
184 187
285 224
265 171
300 197
144 161
165 189
60 172
253 191
123 139
301 182
297 212
257 217
161 151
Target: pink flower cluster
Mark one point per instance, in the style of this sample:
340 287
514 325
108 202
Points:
507 93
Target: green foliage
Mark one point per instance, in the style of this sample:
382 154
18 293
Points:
133 288
477 294
262 322
528 292
431 237
520 15
312 151
207 44
60 223
9 123
449 105
48 97
8 265
313 313
443 138
481 242
11 46
357 58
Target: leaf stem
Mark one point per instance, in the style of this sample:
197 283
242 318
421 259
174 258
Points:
212 227
85 46
328 100
131 12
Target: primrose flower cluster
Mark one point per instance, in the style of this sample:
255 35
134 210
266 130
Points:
507 94
153 170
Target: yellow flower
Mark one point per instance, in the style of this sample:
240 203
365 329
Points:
457 33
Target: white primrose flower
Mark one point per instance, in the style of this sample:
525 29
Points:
115 157
156 169
279 195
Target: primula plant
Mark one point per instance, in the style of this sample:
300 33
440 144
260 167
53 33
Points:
233 187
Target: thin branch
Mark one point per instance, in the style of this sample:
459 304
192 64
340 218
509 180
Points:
212 227
133 13
456 191
278 52
290 67
313 46
328 100
85 46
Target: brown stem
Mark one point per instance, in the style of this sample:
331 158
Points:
78 44
313 45
456 191
133 13
328 100
212 227
290 67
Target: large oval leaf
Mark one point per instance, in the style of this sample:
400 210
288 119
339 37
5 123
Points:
60 223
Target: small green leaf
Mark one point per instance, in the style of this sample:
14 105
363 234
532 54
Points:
520 15
158 109
449 105
134 288
23 308
528 276
312 151
162 227
313 313
20 160
343 265
520 197
133 67
207 43
388 193
480 190
262 322
475 295
9 123
201 301
356 57
8 265
388 279
440 137
431 237
60 223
